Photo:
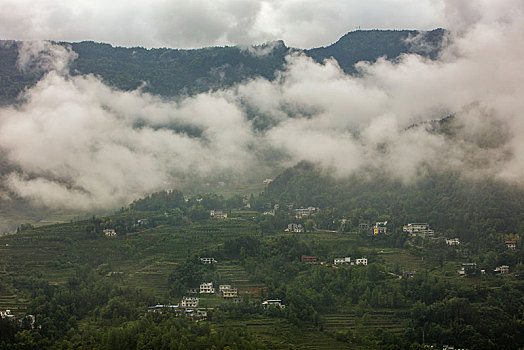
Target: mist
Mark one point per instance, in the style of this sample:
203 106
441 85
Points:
74 142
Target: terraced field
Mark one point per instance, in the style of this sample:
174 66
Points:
237 276
372 321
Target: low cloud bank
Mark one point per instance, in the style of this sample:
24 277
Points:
77 143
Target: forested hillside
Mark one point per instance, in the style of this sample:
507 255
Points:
474 210
171 72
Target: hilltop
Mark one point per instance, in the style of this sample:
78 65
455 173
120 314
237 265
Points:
172 72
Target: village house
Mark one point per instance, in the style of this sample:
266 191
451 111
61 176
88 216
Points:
189 302
217 214
7 314
223 287
199 313
467 268
415 228
162 308
342 261
502 270
452 241
511 245
109 232
294 228
309 259
227 291
273 302
305 212
208 260
361 261
380 228
207 288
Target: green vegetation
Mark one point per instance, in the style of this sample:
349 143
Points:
88 290
173 72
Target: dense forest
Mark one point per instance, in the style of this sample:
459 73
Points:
173 72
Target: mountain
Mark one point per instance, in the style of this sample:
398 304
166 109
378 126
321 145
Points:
172 72
368 45
474 210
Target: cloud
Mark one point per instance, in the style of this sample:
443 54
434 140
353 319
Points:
198 23
77 143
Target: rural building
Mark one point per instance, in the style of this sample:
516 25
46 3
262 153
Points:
109 232
189 302
511 245
224 287
208 260
294 228
452 241
217 214
162 308
380 228
503 269
467 268
361 261
7 314
414 228
342 261
305 212
309 259
273 302
227 291
207 288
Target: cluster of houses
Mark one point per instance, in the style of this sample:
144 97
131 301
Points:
30 319
337 261
226 290
187 309
469 268
347 261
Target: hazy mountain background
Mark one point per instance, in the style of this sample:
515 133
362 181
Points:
87 127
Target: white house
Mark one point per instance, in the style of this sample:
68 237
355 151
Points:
361 261
7 314
273 302
109 232
342 261
503 269
305 212
417 228
189 302
207 288
294 228
208 260
452 241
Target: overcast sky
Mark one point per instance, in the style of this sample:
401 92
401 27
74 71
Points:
198 23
